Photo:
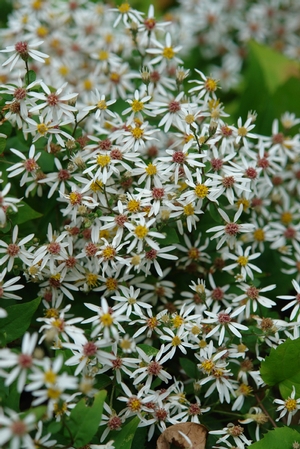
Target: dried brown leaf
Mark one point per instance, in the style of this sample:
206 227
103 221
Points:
195 433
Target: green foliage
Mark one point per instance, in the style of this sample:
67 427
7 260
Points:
84 421
18 319
279 438
25 213
124 438
189 367
149 350
282 367
30 76
271 86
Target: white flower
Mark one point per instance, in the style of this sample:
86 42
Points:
15 430
288 406
294 300
223 320
231 229
29 165
241 260
24 50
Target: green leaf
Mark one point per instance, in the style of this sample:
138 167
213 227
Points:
171 237
25 213
189 367
30 77
18 319
282 367
2 144
149 350
276 67
215 214
279 438
84 421
124 438
6 128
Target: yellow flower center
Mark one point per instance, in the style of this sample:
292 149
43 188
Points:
244 390
53 393
111 284
42 128
133 206
137 105
241 347
124 8
168 53
137 132
37 4
108 253
211 85
103 55
244 202
102 105
286 218
188 137
51 313
177 321
193 253
242 260
60 409
290 404
125 344
201 190
103 160
189 209
114 77
63 70
259 235
207 365
189 119
106 319
176 341
49 377
195 330
141 231
96 186
91 279
42 31
151 169
242 131
87 84
74 198
202 344
135 404
136 260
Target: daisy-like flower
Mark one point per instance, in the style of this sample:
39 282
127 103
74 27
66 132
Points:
223 321
9 286
165 53
141 234
137 135
294 301
15 431
15 250
28 165
100 106
150 368
252 297
24 50
241 260
174 339
58 180
129 301
201 190
182 163
289 406
106 320
255 415
48 130
206 87
54 104
127 14
242 132
232 431
231 229
20 363
193 252
137 107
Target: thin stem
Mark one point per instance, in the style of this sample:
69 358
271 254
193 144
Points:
265 411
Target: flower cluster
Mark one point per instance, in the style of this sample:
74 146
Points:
144 220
